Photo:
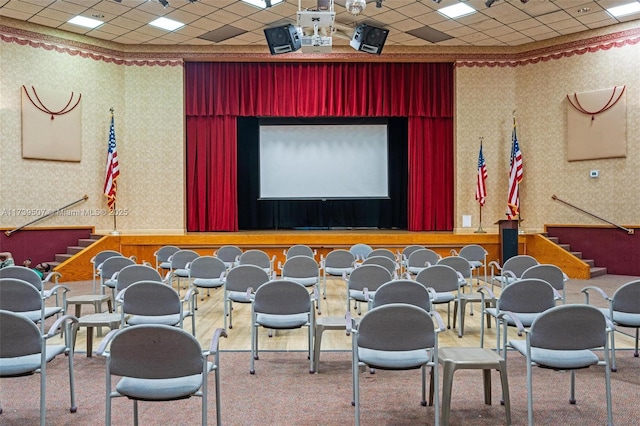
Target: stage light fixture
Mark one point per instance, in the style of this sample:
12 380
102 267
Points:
355 7
524 1
489 3
378 4
437 1
165 3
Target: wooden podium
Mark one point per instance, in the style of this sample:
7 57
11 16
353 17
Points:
508 239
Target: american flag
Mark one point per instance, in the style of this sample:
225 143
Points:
481 188
113 168
515 177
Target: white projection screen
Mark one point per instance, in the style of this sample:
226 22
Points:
328 161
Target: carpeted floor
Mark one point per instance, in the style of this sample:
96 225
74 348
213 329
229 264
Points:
282 392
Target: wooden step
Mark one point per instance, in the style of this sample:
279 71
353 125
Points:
86 242
598 272
74 249
577 254
61 257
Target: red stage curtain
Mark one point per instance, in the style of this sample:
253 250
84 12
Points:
216 93
211 177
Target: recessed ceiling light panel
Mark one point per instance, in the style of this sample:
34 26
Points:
85 22
166 24
457 10
625 9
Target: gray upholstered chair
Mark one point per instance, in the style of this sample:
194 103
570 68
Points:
306 271
386 262
623 310
477 257
24 351
240 285
403 291
396 336
258 258
444 282
179 270
551 274
56 291
360 250
159 363
527 298
23 298
282 305
153 302
512 269
206 272
229 254
96 262
338 262
299 250
365 279
132 274
162 256
419 260
403 256
563 338
109 270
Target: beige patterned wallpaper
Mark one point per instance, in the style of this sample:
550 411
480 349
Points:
148 105
147 97
486 98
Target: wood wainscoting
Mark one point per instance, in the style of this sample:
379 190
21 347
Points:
144 246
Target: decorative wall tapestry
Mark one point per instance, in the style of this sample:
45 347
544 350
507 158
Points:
51 124
597 124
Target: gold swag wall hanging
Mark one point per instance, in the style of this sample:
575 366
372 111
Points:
51 124
597 124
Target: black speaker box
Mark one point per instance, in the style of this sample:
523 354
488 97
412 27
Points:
369 39
283 39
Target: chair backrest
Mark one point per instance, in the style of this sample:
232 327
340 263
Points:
164 253
419 258
19 336
339 258
207 267
300 267
458 263
441 278
155 352
569 327
241 277
99 258
17 295
547 272
113 265
255 257
403 291
527 296
360 250
406 252
518 264
134 273
389 264
369 276
473 253
382 252
627 298
299 250
228 254
150 298
282 297
181 258
396 327
24 274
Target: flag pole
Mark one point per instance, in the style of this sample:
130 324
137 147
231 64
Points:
480 230
113 212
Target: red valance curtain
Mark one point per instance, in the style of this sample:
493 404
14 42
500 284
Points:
217 93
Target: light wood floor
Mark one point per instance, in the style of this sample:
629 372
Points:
209 316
